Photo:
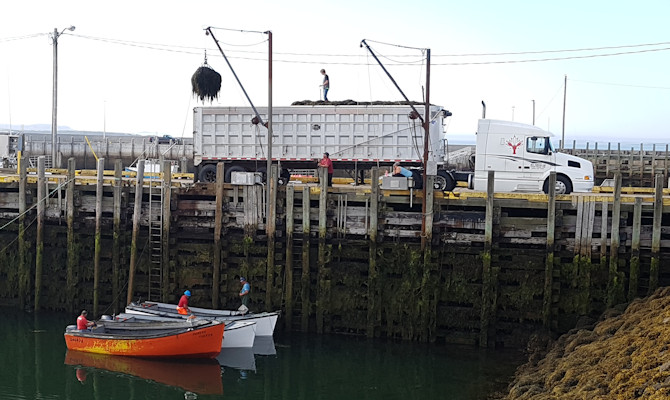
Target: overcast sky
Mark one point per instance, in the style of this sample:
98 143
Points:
127 66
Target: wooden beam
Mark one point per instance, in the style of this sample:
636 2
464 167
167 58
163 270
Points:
218 218
116 245
549 262
288 318
41 205
137 212
98 234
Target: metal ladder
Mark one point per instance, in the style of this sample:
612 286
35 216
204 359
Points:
155 236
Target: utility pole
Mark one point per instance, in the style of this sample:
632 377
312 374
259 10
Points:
54 99
268 176
426 140
565 91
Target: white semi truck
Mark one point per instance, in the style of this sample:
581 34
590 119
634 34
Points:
358 137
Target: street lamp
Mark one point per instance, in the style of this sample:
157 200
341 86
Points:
54 101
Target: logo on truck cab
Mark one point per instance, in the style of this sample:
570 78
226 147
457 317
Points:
513 142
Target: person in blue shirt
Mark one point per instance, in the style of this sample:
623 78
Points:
400 171
244 294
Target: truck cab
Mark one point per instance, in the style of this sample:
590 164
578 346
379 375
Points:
522 157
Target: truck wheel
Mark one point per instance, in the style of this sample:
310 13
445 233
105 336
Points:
418 179
229 172
207 174
284 177
444 182
263 171
563 185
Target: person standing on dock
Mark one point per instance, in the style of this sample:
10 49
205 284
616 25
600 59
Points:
82 323
244 295
326 162
182 307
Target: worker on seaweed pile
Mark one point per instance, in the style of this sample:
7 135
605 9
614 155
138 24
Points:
182 307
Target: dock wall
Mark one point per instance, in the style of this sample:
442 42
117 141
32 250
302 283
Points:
497 267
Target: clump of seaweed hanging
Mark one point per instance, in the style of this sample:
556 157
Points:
205 82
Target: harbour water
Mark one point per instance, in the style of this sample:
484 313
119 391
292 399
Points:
36 365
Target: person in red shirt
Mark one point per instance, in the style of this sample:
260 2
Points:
82 322
182 307
327 163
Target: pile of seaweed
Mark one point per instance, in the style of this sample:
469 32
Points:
622 356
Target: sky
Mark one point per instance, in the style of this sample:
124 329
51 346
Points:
127 66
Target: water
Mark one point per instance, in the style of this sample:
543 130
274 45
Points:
36 365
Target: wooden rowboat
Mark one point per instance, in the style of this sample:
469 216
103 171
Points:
197 339
265 321
237 333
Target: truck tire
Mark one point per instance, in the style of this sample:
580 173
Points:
563 185
444 182
229 172
418 179
207 174
284 177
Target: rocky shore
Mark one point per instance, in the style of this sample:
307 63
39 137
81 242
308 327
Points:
624 355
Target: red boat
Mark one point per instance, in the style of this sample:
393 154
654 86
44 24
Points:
198 376
193 339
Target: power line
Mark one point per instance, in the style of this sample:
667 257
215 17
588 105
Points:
554 51
621 84
9 39
185 49
555 58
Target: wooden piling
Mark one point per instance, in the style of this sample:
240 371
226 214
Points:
116 245
603 233
290 192
39 255
549 262
374 306
24 273
137 211
165 233
323 273
98 233
304 278
489 273
218 220
615 284
429 319
270 229
635 250
656 232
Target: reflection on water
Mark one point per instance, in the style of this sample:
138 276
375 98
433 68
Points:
37 366
198 376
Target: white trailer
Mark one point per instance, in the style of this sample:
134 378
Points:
358 137
355 136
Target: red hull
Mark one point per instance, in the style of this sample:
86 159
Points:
202 342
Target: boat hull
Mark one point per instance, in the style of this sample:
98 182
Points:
237 333
202 342
265 321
